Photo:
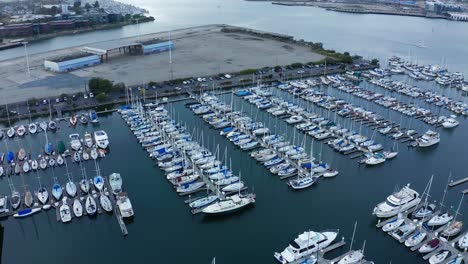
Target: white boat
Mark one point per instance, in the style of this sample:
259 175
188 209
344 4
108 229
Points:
26 212
125 206
65 213
231 204
190 187
98 182
415 239
439 220
403 231
59 160
453 229
70 188
84 185
11 132
88 140
429 246
394 224
34 164
43 125
21 130
101 139
389 154
42 195
115 181
32 128
43 163
85 155
77 208
457 260
90 205
302 183
428 139
439 257
305 244
203 201
3 204
352 257
57 191
330 173
105 203
94 154
233 187
294 119
375 159
75 142
398 202
450 123
26 167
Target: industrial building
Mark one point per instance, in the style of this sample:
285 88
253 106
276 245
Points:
72 62
156 46
97 53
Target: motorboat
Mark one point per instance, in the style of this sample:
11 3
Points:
394 224
463 242
59 160
11 132
202 202
52 125
27 212
450 122
70 188
90 205
330 173
101 139
75 142
403 231
51 162
77 208
98 182
115 181
429 246
48 148
229 205
439 257
34 164
88 140
415 239
93 117
105 203
294 119
390 154
85 155
17 168
76 157
42 195
233 187
83 120
94 154
28 199
57 191
398 202
305 244
43 163
302 183
190 187
124 205
65 213
428 139
3 204
440 219
26 167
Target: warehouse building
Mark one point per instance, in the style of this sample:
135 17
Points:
72 62
156 46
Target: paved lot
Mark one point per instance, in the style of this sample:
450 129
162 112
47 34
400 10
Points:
199 52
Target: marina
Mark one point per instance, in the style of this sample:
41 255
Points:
164 218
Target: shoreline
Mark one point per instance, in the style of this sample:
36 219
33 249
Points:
363 8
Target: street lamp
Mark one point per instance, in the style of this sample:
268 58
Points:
27 57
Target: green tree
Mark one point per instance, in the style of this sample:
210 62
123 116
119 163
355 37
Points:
54 10
100 85
96 4
102 97
77 4
374 61
88 6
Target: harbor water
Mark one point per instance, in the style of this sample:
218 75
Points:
164 228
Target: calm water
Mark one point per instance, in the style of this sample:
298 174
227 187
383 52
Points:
164 230
163 226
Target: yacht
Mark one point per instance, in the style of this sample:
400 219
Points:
75 142
125 206
84 185
439 220
403 231
398 202
101 139
65 213
429 246
231 204
93 117
428 139
375 159
453 229
115 181
305 244
77 208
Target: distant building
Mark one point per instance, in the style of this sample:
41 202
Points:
16 30
72 62
440 7
65 9
458 16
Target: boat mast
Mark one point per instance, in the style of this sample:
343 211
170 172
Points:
352 238
445 191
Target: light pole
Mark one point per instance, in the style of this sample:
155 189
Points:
27 57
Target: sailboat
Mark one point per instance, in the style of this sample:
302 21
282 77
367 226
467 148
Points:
28 198
42 195
90 205
105 202
70 186
57 191
98 180
84 183
353 256
77 208
73 120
